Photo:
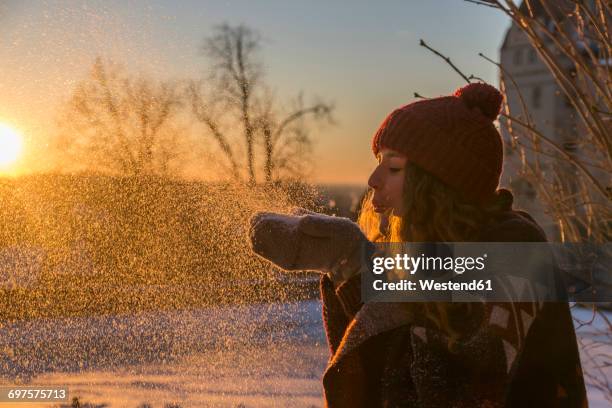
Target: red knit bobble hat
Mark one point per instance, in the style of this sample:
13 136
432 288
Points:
451 137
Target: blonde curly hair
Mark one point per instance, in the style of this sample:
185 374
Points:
432 212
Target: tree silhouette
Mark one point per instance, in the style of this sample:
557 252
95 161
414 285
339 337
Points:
118 123
236 89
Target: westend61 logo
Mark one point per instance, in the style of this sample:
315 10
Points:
412 264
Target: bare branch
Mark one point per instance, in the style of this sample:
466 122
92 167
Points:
483 3
565 154
447 59
200 111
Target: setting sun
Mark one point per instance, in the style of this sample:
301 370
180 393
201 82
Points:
11 145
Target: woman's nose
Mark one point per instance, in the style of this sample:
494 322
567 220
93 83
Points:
374 180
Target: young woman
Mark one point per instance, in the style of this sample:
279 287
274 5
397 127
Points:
439 164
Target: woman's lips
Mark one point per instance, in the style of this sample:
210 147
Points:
378 207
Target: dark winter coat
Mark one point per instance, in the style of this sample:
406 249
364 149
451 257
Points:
510 354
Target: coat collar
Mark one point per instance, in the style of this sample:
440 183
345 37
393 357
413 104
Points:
370 320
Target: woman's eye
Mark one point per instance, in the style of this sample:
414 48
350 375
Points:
395 169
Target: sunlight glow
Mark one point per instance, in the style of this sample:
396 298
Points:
11 145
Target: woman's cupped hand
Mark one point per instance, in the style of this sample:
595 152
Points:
306 240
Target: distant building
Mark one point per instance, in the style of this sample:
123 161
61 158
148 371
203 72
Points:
550 111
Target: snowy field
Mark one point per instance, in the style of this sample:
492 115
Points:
263 355
595 352
249 356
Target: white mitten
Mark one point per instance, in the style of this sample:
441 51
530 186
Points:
310 241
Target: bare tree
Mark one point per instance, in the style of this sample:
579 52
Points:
286 141
237 93
118 123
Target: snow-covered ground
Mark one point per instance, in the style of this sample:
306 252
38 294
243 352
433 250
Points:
595 344
258 355
247 356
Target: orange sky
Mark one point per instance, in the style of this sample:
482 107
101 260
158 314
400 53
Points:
367 63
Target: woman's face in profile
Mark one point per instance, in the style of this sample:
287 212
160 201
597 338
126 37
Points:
387 182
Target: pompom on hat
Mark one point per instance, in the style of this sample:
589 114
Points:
452 137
